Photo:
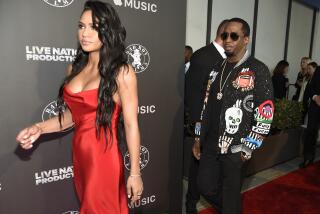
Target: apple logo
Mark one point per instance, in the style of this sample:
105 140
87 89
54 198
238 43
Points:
118 2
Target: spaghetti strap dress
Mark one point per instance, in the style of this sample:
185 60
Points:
98 167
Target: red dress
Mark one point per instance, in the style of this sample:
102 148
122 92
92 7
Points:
98 168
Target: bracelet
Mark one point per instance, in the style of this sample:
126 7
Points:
136 175
37 125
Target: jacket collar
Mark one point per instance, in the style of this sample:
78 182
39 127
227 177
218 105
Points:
243 59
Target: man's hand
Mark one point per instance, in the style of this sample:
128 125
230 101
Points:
196 148
317 99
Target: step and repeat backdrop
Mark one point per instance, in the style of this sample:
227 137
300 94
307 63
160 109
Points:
38 39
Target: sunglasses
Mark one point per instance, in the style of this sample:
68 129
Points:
234 36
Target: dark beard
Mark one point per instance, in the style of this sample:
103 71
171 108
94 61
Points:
229 54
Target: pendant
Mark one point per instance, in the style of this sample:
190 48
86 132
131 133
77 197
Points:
219 96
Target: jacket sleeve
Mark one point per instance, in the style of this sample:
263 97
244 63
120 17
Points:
263 111
315 83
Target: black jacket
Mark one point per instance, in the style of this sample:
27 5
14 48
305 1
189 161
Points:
279 86
247 109
201 63
314 89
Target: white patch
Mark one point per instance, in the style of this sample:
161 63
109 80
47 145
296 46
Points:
213 75
263 125
224 143
260 130
233 118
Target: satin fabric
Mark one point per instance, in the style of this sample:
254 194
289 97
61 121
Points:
98 167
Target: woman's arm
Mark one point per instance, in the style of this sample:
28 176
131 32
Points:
128 94
52 125
29 135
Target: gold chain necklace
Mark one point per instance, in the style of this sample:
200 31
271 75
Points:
219 94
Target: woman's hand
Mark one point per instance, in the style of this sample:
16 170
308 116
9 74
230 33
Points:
134 187
28 136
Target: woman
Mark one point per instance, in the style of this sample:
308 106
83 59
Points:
279 80
100 84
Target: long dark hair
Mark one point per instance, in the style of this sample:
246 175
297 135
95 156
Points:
280 67
112 57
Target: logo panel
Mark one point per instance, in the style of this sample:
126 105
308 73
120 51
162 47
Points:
53 175
138 57
58 3
144 158
50 111
49 54
137 5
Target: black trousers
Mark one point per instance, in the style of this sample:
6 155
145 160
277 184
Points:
311 134
193 194
220 179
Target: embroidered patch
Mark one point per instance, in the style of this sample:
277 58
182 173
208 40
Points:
260 131
261 128
224 143
266 109
244 80
252 141
233 118
212 76
264 113
248 103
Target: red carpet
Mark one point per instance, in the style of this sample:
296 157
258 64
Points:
297 192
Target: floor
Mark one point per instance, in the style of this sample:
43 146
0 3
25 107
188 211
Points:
257 179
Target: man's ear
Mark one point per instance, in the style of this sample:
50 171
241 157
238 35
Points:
246 39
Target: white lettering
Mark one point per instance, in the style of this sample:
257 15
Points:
259 130
37 53
147 109
263 125
53 175
141 5
143 202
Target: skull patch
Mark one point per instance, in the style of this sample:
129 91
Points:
233 118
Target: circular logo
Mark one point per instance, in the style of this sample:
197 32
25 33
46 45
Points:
138 57
58 3
144 158
248 103
51 110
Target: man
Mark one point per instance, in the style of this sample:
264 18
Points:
202 63
238 111
188 51
312 66
301 77
311 135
